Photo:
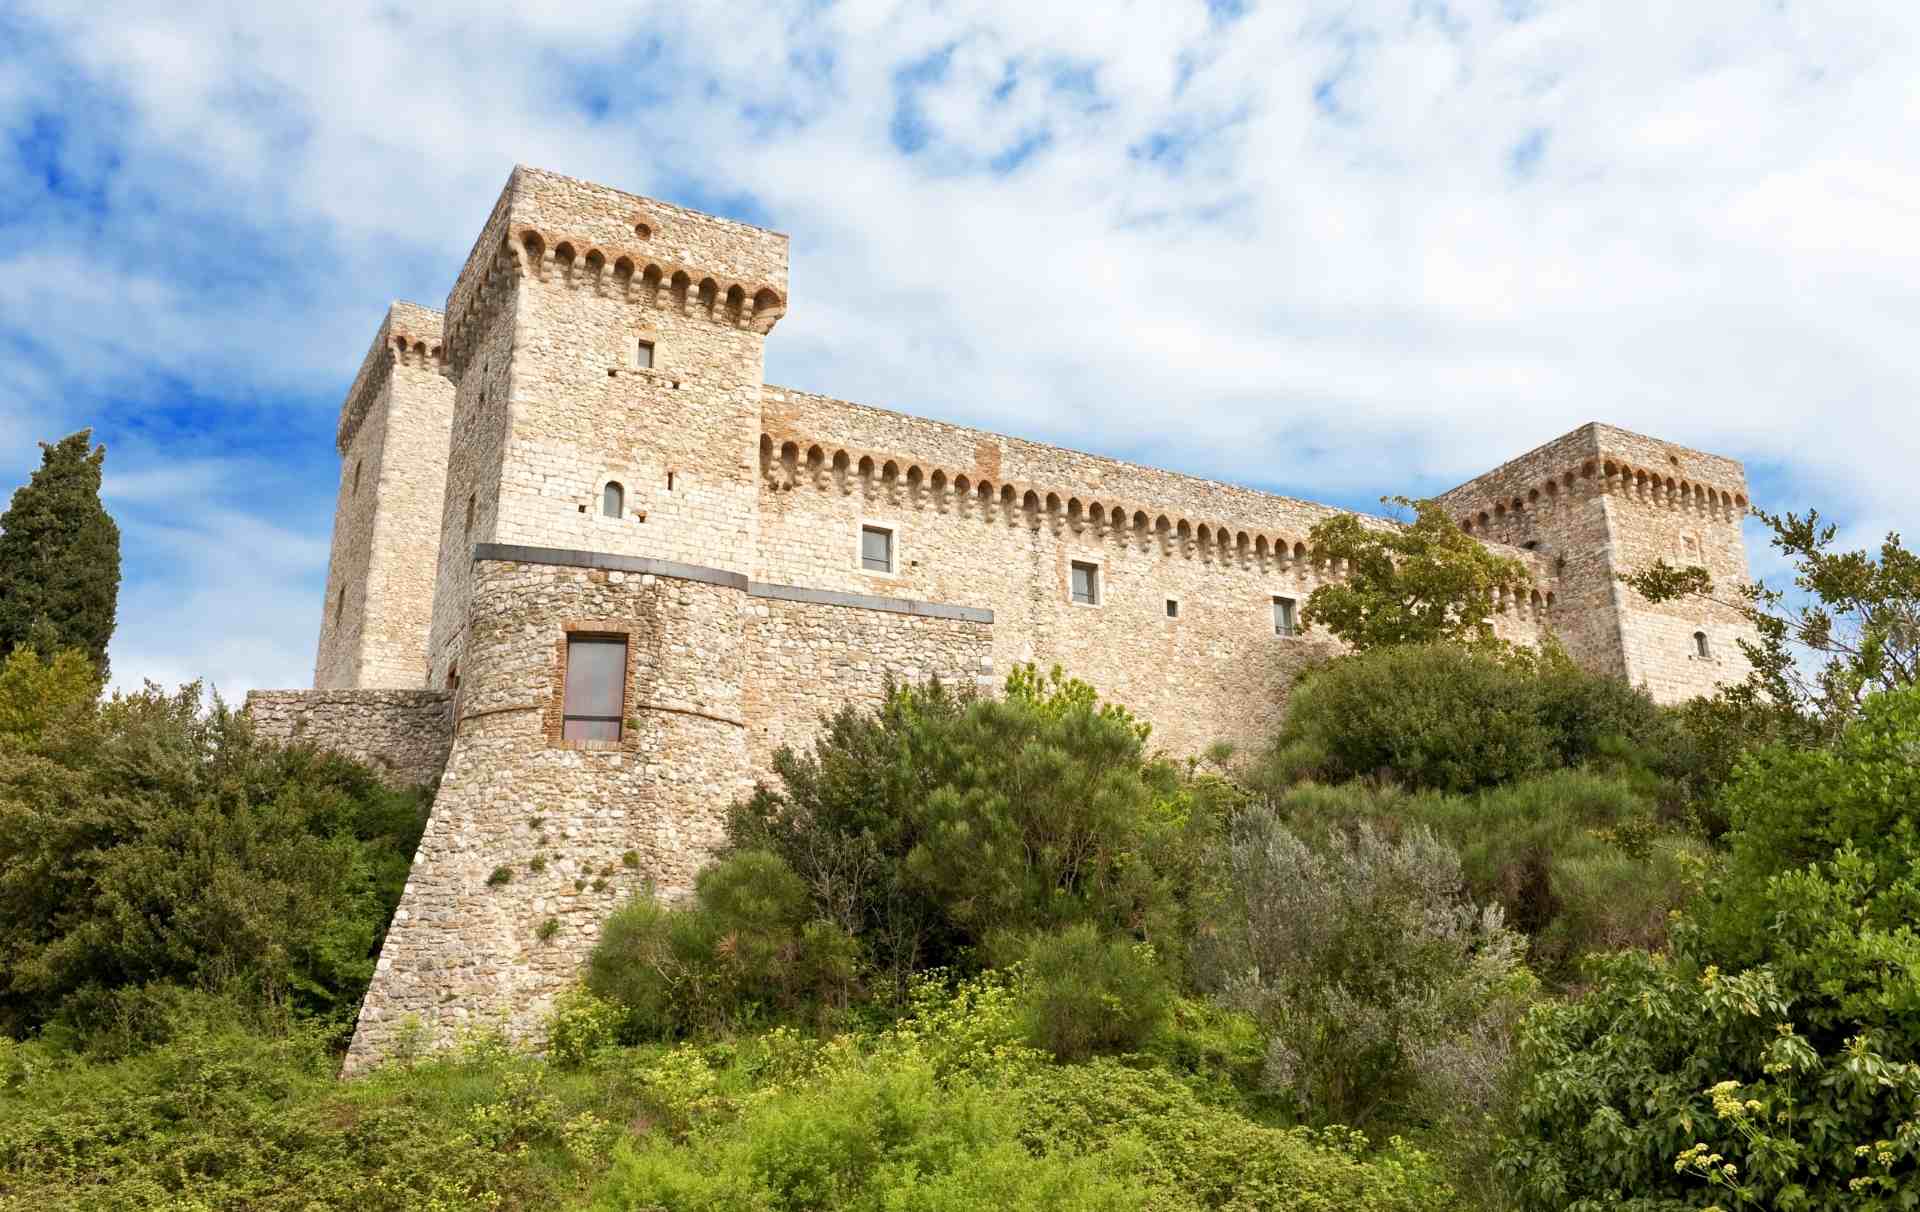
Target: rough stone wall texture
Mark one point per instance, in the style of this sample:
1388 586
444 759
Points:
381 572
809 660
577 826
983 520
405 734
1601 501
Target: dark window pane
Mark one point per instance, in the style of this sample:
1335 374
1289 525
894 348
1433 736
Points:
1283 616
876 549
596 682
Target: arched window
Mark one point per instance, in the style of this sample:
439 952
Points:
1700 646
613 500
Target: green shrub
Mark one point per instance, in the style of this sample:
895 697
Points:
1577 860
1084 993
500 876
1435 716
1774 1061
582 1027
743 948
931 825
1451 718
148 840
1385 992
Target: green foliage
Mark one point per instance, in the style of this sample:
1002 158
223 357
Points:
1775 1060
1456 719
931 827
500 876
1422 583
146 842
60 557
746 947
1578 861
582 1027
1086 994
1385 992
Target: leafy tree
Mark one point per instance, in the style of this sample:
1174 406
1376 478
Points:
60 556
1774 1060
1855 621
935 827
1414 584
148 843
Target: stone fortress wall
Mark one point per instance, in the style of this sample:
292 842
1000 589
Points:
732 568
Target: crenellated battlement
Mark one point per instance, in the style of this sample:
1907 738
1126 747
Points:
410 335
560 230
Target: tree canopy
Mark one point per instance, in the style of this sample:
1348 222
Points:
1415 584
60 556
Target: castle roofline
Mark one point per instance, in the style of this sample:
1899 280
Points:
412 327
531 170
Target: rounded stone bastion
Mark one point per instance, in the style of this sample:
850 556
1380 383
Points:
536 837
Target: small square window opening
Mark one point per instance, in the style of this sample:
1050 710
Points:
876 549
1173 608
1086 584
643 355
1285 617
596 688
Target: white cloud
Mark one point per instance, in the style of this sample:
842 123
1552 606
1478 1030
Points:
1381 247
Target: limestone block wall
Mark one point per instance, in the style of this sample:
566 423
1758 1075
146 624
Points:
405 734
812 658
1602 501
476 450
386 535
574 826
1183 633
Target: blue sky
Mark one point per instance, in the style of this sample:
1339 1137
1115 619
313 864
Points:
1333 249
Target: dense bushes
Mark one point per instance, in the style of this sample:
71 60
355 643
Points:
1778 1052
1385 993
1449 718
937 832
1087 994
147 844
1578 861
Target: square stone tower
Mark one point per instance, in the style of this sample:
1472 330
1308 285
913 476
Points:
386 526
609 355
1602 501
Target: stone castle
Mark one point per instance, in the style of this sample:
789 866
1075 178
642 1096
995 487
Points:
590 571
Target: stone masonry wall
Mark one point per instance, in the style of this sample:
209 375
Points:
386 536
1212 670
405 734
1601 501
573 826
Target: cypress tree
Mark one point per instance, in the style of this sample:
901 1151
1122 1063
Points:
60 556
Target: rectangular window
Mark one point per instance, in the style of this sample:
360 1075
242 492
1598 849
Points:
596 688
1284 622
1173 608
643 355
1086 584
876 549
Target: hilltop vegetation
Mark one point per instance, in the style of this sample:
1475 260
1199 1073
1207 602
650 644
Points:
1474 930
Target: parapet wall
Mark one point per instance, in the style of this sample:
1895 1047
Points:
405 734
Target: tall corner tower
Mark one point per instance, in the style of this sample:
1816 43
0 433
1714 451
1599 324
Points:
386 525
609 355
596 535
1601 502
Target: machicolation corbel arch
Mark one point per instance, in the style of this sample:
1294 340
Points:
475 542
